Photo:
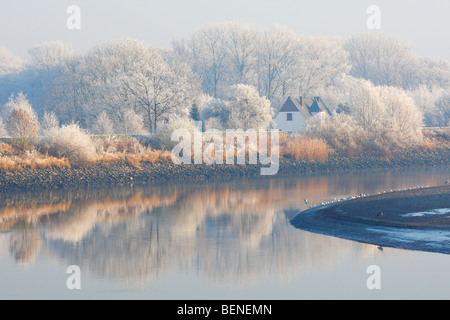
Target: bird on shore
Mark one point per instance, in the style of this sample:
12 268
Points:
306 201
380 248
446 182
380 214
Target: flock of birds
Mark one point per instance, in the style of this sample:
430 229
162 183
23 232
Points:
380 214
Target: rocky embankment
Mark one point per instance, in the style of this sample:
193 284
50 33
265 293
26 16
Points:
122 174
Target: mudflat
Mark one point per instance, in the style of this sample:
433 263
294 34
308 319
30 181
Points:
417 219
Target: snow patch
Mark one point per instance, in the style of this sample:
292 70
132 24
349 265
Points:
432 237
429 212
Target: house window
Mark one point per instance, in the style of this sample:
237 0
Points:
289 116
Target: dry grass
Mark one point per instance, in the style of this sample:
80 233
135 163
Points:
128 151
32 160
6 149
134 160
298 147
435 139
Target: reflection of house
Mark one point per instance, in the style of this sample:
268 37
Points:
295 111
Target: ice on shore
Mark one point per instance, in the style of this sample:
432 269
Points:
429 212
413 238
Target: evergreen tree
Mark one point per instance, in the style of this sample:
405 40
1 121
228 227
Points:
195 114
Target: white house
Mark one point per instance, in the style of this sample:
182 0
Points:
295 111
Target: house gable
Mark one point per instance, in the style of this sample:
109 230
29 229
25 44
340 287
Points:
289 106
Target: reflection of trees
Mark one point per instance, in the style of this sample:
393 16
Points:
232 233
23 246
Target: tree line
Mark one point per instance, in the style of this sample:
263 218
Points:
227 74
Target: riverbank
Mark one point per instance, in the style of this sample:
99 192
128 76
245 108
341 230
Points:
417 219
98 174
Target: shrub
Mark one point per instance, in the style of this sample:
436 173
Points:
340 132
164 132
71 142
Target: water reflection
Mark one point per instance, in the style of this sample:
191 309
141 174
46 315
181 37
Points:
232 233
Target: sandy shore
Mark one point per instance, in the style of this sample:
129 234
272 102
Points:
412 219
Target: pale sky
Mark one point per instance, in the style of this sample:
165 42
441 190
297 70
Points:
25 23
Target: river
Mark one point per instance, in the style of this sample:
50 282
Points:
215 240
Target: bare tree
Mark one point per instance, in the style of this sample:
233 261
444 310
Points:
443 108
128 74
133 123
319 61
102 124
242 47
3 132
49 122
276 57
48 55
159 90
381 58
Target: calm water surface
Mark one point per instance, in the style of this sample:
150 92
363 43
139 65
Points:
222 240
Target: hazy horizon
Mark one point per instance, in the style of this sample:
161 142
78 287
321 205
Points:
424 24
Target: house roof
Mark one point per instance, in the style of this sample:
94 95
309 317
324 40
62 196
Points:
306 106
317 105
290 106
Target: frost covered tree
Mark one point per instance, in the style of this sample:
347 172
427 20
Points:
8 62
161 90
275 60
373 118
72 92
365 105
48 55
22 121
319 61
340 131
132 123
426 99
242 51
277 51
216 113
3 132
49 121
380 58
102 124
128 74
404 120
206 53
443 108
248 110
